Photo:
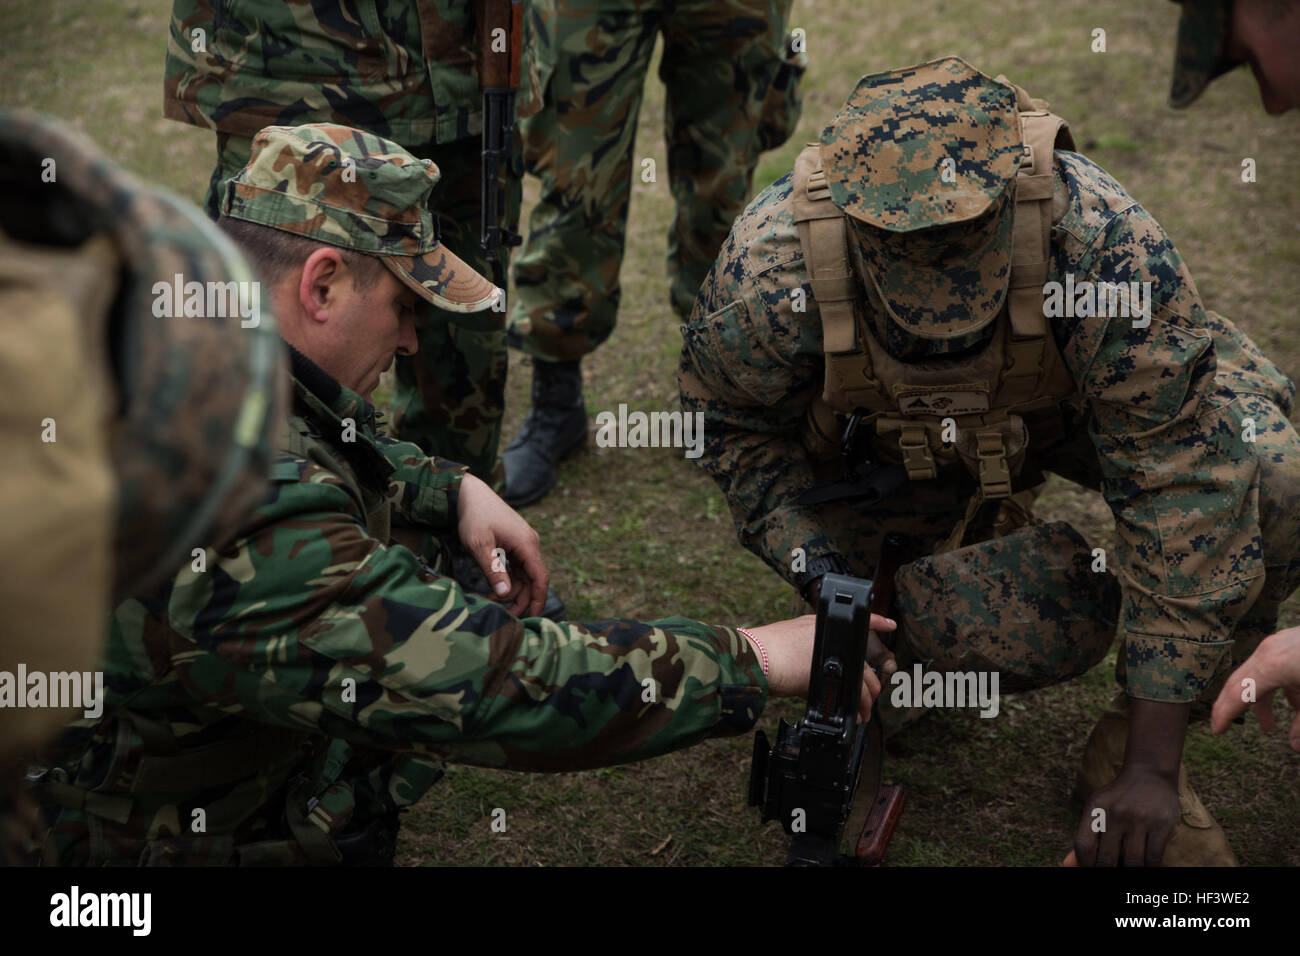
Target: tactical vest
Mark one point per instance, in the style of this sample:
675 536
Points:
999 399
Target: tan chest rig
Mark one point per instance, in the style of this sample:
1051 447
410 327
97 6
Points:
994 402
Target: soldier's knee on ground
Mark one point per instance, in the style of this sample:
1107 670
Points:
1028 606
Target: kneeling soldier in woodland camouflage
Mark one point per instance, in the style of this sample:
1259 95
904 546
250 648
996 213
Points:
283 696
939 304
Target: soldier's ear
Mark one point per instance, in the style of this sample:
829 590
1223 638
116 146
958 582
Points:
319 283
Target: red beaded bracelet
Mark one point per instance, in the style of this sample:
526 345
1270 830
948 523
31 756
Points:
762 651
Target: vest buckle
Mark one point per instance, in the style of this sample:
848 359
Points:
917 457
995 476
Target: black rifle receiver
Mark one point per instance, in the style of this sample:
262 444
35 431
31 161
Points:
809 779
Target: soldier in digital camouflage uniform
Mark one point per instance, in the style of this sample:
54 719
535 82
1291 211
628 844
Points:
130 437
307 680
1216 36
402 70
1180 422
730 92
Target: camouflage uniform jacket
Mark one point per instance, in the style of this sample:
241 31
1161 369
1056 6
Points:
1161 406
402 69
314 623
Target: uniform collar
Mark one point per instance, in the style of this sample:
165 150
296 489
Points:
327 398
326 403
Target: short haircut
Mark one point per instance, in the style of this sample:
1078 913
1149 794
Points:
275 253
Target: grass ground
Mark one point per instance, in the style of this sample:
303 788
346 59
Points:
644 533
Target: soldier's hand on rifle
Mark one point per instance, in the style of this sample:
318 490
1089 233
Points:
878 655
789 646
489 526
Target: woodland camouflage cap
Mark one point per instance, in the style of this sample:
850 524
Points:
1201 54
352 189
923 160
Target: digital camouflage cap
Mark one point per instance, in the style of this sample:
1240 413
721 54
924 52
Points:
923 161
1201 54
358 191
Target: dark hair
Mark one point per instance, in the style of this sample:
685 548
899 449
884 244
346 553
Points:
275 253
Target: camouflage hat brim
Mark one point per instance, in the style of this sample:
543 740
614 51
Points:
945 282
1201 54
444 279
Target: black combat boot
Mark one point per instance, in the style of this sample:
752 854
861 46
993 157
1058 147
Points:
555 428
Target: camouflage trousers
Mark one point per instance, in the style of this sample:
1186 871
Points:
729 95
450 395
1032 608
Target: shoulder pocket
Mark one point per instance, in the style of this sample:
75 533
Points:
1149 371
727 347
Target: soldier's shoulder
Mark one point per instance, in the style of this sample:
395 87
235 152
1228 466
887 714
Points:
764 236
761 258
1092 198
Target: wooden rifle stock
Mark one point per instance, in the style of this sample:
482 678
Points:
500 43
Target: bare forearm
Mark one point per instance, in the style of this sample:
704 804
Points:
1155 737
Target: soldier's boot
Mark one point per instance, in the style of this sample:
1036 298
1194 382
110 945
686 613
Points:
1197 840
555 428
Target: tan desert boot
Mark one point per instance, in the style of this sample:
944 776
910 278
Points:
1197 840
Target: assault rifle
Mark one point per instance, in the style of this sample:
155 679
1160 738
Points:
500 45
822 779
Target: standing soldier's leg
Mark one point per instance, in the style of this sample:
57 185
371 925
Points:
450 395
566 276
729 95
232 156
